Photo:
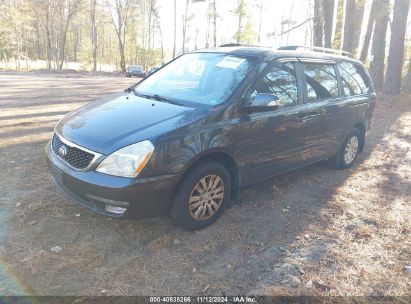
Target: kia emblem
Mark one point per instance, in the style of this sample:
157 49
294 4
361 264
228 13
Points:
63 151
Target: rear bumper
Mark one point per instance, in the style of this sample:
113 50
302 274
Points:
141 75
142 197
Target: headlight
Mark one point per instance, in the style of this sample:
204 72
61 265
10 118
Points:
128 161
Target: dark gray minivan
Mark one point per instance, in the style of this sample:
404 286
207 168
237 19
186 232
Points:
185 139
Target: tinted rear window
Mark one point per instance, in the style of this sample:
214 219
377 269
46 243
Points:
353 79
321 81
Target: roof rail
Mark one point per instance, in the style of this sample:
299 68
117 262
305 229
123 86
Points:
238 44
316 49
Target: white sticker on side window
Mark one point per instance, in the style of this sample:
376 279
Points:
230 62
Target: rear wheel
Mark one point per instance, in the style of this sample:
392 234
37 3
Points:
349 150
202 196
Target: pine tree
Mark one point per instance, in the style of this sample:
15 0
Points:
339 25
378 43
392 85
328 9
318 23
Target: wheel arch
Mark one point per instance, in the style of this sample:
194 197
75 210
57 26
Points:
221 157
361 127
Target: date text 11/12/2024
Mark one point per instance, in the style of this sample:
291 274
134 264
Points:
203 299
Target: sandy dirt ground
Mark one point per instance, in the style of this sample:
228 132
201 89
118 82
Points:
314 231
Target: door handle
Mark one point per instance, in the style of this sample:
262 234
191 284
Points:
306 114
309 118
306 118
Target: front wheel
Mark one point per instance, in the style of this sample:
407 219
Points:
349 150
202 196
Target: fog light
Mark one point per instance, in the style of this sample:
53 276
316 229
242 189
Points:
115 209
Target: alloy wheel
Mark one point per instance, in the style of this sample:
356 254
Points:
206 197
351 150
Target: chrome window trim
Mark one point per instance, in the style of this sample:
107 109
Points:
73 145
285 59
317 60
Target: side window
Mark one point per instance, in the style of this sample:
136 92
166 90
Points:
281 81
321 81
352 78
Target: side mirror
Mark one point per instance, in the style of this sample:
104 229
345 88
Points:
264 102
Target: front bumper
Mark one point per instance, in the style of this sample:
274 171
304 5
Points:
142 197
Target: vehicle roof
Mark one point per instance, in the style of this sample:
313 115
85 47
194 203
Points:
268 54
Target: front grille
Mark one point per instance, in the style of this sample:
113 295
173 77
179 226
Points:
74 156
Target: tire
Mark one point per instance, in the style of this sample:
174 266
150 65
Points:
348 153
189 216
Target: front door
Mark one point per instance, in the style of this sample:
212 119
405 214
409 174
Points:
272 142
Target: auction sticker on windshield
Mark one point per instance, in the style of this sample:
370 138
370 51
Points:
230 62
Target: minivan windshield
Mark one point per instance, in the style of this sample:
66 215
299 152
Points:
197 78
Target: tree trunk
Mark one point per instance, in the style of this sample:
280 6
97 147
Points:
207 38
17 56
339 25
175 29
76 39
143 47
349 26
38 52
215 22
6 60
368 33
93 4
318 23
121 46
71 11
378 44
122 14
161 39
63 46
407 80
150 30
196 38
357 24
240 13
328 9
185 26
261 4
122 57
392 85
48 35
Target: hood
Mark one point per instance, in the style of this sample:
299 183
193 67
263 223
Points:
109 124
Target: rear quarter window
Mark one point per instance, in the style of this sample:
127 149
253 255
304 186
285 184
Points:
353 78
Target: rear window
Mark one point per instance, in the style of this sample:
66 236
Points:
321 81
353 79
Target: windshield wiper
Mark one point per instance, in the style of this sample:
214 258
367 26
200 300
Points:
156 97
